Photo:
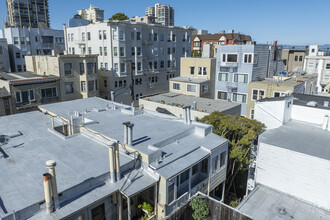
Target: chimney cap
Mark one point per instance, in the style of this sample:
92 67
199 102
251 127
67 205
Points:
51 163
127 123
130 125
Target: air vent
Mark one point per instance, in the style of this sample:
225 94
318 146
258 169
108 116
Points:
312 104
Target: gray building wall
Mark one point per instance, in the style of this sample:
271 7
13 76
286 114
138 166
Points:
4 56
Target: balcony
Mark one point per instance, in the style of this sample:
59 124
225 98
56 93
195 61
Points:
177 203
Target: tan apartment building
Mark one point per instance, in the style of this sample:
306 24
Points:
78 73
221 38
277 87
144 19
25 91
293 59
196 77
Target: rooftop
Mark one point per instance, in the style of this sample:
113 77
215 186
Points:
303 99
288 82
208 105
265 203
230 36
189 79
299 137
27 78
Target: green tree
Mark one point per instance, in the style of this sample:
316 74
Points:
240 133
119 16
200 208
195 53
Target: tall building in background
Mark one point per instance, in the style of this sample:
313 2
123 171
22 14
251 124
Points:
164 14
92 14
28 13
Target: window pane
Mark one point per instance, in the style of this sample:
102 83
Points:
232 58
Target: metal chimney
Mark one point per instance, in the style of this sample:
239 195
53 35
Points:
112 159
184 114
188 115
126 124
112 95
48 193
117 162
195 105
130 134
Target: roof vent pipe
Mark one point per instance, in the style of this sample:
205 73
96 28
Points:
117 161
184 115
195 106
325 122
130 134
51 168
188 115
112 162
48 193
112 94
126 132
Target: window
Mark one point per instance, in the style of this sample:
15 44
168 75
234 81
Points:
89 50
155 51
173 38
67 68
204 71
98 212
313 50
104 35
296 58
191 88
194 169
247 58
173 50
28 40
155 37
200 70
101 51
122 67
100 35
89 68
222 95
241 98
115 51
139 66
176 86
279 94
19 68
121 35
138 36
230 58
132 35
88 35
223 77
155 65
162 37
328 66
83 86
162 64
105 83
184 177
22 39
31 95
48 93
116 67
114 34
192 70
138 52
16 40
170 192
133 51
1 50
300 58
83 38
205 165
73 51
222 159
205 88
68 87
169 64
90 85
106 66
241 78
122 51
255 58
311 65
258 94
252 114
214 164
183 51
18 55
105 50
82 68
72 37
168 50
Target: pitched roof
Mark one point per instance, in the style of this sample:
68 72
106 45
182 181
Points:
229 36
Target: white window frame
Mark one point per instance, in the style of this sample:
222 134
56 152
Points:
48 88
193 86
20 96
258 98
226 59
178 84
222 91
282 94
232 97
201 71
226 77
207 88
241 74
252 58
34 95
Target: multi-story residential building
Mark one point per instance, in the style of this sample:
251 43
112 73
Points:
158 159
164 14
28 14
30 41
238 65
221 38
4 56
138 54
277 87
92 14
289 177
78 74
319 62
293 59
24 91
144 19
197 77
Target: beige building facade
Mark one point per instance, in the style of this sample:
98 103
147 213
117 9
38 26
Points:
92 14
273 87
78 73
293 59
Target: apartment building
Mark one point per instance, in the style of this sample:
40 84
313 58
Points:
92 14
157 159
143 19
4 56
31 41
318 62
28 14
164 14
78 74
277 87
238 65
151 53
221 38
293 59
25 91
297 142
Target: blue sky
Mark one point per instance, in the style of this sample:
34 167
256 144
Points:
298 22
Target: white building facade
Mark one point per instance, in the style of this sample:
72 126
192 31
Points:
30 41
151 51
318 62
92 14
164 14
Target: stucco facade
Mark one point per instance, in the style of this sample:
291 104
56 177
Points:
293 59
4 56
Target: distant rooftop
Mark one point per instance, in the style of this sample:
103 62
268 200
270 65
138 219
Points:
265 203
230 36
303 99
27 78
190 79
209 105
